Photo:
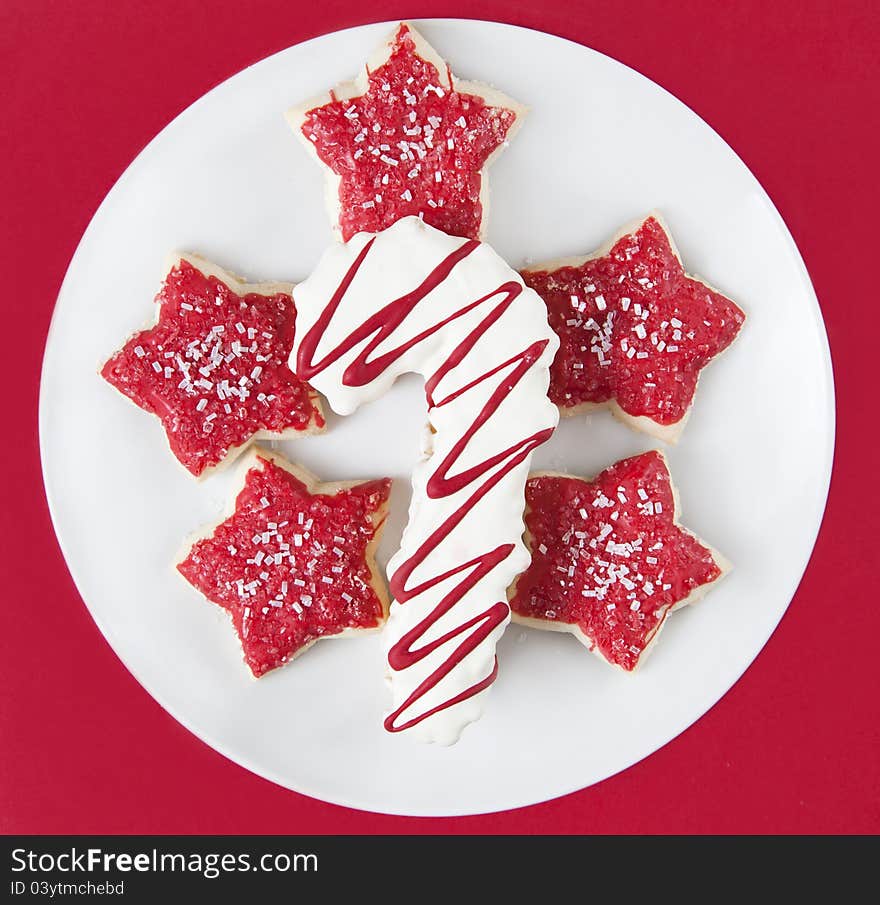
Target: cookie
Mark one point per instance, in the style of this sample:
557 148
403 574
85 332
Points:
635 330
609 559
294 560
407 138
213 368
414 299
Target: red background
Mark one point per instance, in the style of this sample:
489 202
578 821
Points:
793 86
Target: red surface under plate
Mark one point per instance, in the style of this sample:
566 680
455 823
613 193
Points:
792 747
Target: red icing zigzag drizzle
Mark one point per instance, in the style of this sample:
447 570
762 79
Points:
483 477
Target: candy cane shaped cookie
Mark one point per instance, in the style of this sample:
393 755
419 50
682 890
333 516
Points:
413 299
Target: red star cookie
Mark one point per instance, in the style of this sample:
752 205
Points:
214 368
609 559
293 562
406 137
635 330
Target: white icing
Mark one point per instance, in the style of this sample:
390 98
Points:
398 261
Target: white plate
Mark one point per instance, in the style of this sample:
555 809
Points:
228 179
